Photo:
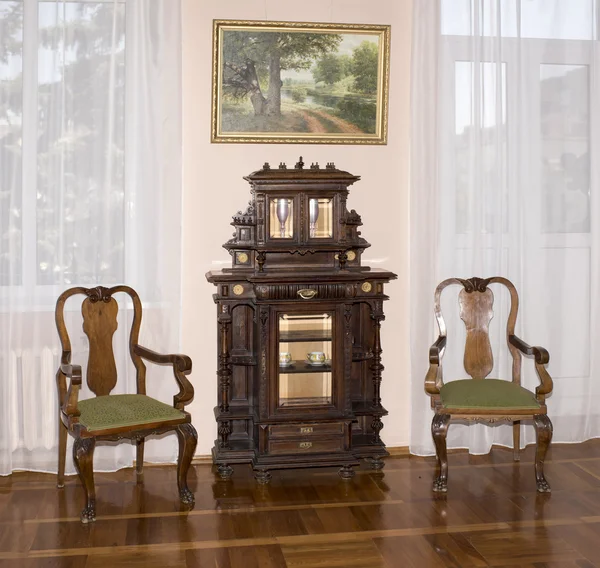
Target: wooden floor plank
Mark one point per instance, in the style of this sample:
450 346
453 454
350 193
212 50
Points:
409 552
360 554
57 562
525 546
171 559
491 515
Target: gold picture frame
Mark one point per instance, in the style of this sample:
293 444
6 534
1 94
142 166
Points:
299 82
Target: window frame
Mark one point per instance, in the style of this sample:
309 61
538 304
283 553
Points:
516 53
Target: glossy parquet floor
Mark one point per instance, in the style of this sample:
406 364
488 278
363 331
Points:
491 516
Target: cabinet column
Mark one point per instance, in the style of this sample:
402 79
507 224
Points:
348 356
224 372
376 367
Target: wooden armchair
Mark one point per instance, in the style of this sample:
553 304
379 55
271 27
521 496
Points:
117 416
484 399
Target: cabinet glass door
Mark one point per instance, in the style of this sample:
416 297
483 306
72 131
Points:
320 217
305 367
281 220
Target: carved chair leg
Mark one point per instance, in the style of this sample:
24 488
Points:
188 438
83 456
517 440
139 460
543 428
439 429
62 453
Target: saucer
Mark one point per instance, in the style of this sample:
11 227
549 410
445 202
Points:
316 363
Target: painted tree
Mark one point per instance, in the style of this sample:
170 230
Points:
364 67
253 60
331 68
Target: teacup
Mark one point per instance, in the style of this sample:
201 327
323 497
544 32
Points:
285 358
316 357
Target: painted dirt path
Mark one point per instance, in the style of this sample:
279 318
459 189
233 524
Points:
315 125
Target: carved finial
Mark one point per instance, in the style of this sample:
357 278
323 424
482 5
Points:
300 164
266 166
282 166
99 294
314 166
475 284
330 166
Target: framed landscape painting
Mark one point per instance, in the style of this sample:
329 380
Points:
292 82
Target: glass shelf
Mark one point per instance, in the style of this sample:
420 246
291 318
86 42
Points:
303 367
304 336
306 401
308 335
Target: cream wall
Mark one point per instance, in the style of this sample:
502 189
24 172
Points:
214 190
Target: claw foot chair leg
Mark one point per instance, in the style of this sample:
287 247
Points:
188 438
439 429
83 456
543 428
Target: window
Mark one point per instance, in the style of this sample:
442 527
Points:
528 95
62 142
517 113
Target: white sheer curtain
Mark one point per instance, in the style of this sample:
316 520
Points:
90 194
505 125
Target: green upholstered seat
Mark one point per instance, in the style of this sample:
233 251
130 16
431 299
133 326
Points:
486 394
116 410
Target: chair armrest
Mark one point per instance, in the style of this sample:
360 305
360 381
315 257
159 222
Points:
73 372
542 357
70 405
182 362
435 357
182 365
433 380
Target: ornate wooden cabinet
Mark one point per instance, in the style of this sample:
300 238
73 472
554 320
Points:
299 350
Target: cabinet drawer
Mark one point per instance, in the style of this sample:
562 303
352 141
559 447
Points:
305 446
306 430
309 292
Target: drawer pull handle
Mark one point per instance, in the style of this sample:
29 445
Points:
307 293
305 445
306 430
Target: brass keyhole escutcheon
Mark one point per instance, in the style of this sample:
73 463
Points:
306 430
305 445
